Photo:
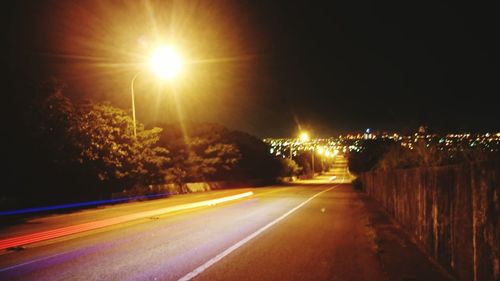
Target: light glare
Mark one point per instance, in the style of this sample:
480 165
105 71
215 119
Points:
304 137
166 63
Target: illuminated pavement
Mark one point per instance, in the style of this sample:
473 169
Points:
106 212
339 171
312 231
43 235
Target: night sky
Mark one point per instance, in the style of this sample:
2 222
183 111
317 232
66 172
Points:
269 67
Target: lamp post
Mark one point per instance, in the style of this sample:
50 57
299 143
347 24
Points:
328 155
304 136
165 63
312 161
321 152
133 103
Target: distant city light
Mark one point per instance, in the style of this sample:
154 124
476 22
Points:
354 142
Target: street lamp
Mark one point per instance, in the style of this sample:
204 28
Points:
166 64
322 152
312 161
304 136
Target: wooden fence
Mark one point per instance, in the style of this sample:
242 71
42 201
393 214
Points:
451 212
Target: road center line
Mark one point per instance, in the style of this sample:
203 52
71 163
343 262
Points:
242 242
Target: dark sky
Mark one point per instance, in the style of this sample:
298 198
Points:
271 66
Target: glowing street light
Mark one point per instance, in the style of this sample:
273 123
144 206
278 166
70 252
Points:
321 151
166 64
304 136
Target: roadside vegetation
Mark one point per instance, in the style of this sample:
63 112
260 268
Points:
69 152
389 155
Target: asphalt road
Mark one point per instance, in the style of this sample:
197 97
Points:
313 230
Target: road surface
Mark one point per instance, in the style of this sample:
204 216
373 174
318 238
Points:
313 230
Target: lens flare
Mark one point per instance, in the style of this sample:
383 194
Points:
304 137
166 63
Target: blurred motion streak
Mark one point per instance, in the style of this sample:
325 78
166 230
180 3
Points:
59 232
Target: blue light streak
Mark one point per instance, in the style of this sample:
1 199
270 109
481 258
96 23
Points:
82 204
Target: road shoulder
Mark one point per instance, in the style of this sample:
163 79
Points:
400 258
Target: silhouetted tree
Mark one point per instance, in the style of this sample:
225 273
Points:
290 168
110 152
45 147
205 151
68 152
203 155
256 162
369 156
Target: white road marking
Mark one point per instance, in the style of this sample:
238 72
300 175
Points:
242 242
32 261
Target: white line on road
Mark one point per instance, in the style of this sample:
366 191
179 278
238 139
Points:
242 242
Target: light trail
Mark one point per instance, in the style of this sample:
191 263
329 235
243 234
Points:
64 231
73 205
